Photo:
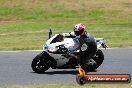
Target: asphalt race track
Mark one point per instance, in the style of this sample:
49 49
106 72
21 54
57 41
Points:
15 68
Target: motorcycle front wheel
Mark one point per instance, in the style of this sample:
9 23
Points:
40 63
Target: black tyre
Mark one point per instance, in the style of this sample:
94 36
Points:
81 79
40 63
94 62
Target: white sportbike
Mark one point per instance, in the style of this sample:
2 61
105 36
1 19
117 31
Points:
64 53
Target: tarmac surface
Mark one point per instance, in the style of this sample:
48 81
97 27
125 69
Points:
15 68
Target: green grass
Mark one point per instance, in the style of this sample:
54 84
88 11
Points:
72 86
24 24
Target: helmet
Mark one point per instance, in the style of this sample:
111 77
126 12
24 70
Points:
79 29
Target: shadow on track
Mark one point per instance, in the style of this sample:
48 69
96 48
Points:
72 72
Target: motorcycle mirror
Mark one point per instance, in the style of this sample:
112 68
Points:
50 33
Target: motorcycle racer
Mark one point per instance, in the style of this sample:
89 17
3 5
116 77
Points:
85 39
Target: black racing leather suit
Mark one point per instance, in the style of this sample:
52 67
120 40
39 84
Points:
89 40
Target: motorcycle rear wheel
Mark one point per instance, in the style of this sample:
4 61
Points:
98 59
